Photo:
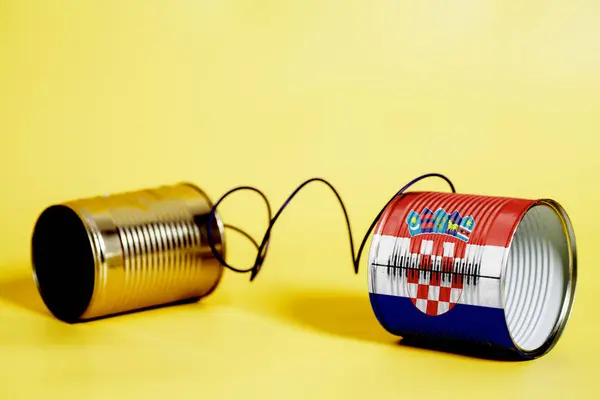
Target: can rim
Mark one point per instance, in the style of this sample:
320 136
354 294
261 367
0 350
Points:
221 228
95 247
571 278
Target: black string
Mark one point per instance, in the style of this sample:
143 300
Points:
262 248
245 234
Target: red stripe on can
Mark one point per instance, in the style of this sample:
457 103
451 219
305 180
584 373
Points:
495 218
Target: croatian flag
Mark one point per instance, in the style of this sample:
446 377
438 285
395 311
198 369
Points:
439 282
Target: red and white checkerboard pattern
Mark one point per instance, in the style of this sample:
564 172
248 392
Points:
428 291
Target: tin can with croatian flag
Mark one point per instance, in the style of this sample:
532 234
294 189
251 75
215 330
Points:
488 270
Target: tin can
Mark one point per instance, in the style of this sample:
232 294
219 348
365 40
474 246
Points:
107 255
494 271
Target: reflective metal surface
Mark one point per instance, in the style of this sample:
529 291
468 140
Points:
111 254
488 271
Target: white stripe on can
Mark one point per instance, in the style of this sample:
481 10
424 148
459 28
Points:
487 292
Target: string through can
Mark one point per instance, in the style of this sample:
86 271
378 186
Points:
475 269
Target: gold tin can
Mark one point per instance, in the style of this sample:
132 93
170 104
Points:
108 255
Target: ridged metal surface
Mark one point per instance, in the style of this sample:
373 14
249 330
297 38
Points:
526 280
150 247
535 278
485 210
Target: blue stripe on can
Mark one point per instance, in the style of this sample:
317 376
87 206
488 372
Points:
481 325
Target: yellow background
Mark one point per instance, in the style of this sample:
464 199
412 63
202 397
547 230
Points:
104 96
